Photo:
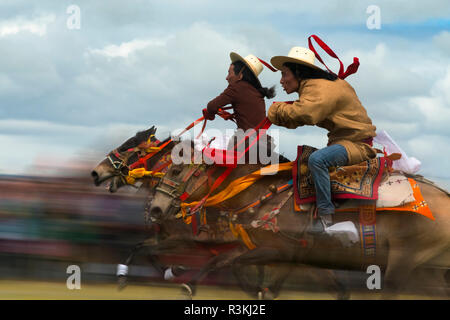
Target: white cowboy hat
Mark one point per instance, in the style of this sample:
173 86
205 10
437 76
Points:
251 61
296 55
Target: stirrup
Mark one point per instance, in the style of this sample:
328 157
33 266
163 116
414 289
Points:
316 227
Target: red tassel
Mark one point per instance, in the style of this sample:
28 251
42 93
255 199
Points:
351 69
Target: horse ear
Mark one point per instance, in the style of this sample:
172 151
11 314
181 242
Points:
151 131
148 133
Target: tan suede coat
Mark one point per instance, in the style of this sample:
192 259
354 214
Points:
332 105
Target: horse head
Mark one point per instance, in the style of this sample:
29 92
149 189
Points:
115 167
185 181
191 180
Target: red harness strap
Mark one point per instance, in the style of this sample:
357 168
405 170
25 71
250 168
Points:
143 160
161 167
262 127
230 158
342 75
216 184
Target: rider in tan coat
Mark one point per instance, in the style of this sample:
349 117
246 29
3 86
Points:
330 103
334 106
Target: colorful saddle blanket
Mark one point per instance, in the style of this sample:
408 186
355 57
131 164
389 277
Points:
359 181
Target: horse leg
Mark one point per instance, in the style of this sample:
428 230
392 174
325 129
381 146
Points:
437 285
257 256
341 284
222 260
403 261
334 281
153 250
280 274
122 269
431 282
399 268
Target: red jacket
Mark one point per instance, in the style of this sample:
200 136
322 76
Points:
247 102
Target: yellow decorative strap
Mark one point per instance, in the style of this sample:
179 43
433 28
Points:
240 184
140 173
152 149
237 231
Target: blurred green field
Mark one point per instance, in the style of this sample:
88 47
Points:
34 290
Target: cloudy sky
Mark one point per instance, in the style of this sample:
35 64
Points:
72 89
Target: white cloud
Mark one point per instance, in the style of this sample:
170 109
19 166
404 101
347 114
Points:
126 48
433 151
36 26
442 41
386 72
435 108
398 128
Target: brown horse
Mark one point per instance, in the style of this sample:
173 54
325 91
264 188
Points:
405 241
173 235
167 236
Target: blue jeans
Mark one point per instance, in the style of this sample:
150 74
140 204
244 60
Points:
318 163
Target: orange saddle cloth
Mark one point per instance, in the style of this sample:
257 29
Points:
396 193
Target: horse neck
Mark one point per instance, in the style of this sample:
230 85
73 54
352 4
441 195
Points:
252 193
153 161
238 172
258 189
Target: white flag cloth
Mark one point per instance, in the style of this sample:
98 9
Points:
345 231
406 164
220 142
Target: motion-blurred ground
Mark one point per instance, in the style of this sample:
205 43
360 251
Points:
24 290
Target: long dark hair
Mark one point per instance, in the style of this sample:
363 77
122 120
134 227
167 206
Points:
302 72
248 76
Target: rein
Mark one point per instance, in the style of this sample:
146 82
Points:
152 151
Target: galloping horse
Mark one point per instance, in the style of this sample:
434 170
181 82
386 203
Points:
173 234
405 241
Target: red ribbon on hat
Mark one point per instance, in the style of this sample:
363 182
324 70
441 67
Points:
351 69
267 65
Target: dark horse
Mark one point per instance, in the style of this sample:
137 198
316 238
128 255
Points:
168 235
406 242
171 234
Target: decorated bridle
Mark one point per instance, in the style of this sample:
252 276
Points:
127 172
119 165
177 190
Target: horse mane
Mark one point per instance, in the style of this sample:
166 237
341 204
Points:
130 143
137 139
164 141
